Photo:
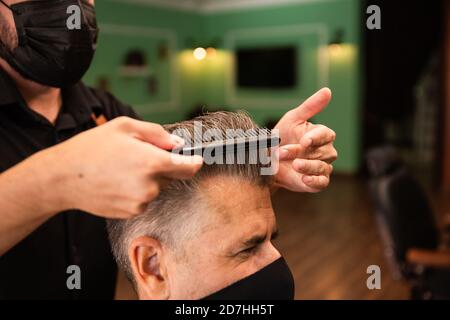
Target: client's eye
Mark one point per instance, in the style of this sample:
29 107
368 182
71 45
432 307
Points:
249 250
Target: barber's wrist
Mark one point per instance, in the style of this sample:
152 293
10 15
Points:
51 178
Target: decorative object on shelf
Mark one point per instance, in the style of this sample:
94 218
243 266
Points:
103 83
152 85
163 51
336 41
135 64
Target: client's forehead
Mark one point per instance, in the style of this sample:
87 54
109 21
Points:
233 199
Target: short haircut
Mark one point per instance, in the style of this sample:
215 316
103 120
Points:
168 217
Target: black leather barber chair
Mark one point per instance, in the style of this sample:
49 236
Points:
408 227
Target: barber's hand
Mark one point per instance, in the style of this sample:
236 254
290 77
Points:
116 169
306 150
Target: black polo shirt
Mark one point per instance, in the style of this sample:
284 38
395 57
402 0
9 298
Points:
36 267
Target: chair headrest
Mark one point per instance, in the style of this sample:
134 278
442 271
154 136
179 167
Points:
383 160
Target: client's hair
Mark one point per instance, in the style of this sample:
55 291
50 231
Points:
167 218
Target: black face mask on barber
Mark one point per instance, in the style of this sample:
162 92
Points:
57 41
273 282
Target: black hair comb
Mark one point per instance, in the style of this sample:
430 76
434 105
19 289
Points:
239 142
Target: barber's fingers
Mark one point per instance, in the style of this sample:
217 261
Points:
295 181
173 166
325 153
309 108
317 183
319 135
312 167
296 151
291 152
148 132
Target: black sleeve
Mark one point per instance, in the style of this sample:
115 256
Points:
112 107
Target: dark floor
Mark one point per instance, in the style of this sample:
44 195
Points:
329 239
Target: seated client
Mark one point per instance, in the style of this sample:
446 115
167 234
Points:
208 237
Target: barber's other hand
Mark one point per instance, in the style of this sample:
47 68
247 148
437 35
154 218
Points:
306 151
116 169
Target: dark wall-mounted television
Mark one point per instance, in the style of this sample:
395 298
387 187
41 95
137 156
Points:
274 67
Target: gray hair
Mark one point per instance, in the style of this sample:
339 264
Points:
168 217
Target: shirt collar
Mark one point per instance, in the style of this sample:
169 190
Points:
81 102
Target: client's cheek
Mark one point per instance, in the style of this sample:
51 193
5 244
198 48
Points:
183 284
194 278
266 255
216 275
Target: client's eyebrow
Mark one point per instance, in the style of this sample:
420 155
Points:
252 242
258 239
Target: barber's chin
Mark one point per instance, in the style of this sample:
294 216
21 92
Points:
23 82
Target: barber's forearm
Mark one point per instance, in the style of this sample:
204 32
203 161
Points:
28 197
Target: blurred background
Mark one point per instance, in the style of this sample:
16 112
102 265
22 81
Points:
387 204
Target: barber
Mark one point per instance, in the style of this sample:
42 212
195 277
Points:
71 156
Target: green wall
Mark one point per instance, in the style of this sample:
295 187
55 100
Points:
126 26
185 82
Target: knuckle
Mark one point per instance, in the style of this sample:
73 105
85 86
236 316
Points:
122 122
156 127
322 127
333 135
324 182
317 155
125 214
322 168
303 165
152 192
140 207
134 209
334 154
329 154
149 192
330 169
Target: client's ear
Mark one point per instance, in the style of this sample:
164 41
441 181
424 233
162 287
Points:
149 268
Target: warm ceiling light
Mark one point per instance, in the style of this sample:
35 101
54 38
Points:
200 53
335 44
211 52
335 48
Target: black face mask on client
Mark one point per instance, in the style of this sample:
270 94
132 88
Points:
273 282
49 52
